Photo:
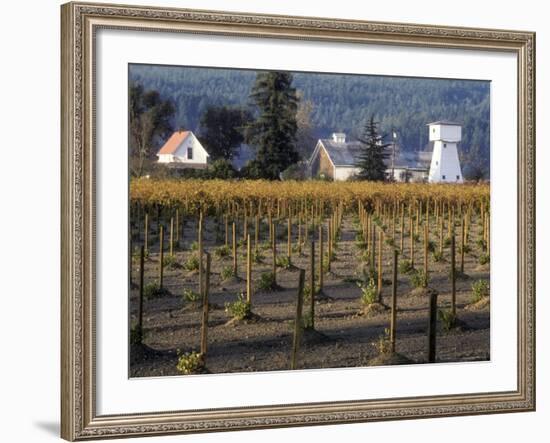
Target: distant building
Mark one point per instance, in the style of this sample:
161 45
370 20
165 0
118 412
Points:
183 150
409 166
445 165
336 158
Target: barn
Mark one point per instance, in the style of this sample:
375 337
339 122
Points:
336 157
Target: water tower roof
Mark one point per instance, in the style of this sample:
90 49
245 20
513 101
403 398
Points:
444 123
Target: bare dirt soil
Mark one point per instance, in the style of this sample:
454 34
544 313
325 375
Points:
348 337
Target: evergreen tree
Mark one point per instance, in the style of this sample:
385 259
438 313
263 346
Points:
372 159
273 133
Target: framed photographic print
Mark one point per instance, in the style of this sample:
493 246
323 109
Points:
282 221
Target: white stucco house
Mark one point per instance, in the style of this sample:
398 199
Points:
445 164
183 150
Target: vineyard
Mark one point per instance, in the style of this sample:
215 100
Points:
233 276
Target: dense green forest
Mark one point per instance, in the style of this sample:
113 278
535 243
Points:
340 103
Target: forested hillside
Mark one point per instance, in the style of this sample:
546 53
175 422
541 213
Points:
340 103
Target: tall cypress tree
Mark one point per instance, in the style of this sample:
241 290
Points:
372 159
273 133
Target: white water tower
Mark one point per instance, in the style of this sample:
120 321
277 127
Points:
445 165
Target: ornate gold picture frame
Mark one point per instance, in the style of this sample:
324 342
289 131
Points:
80 22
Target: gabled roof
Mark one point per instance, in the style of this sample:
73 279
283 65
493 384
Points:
411 160
175 140
342 154
347 154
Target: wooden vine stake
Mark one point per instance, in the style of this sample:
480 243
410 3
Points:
146 232
462 238
177 227
171 236
329 245
312 284
257 233
380 251
201 253
453 276
161 254
289 239
248 269
226 231
432 326
141 289
393 322
321 252
234 240
274 251
205 307
426 241
411 234
298 320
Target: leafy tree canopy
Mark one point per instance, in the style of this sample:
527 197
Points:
222 130
150 120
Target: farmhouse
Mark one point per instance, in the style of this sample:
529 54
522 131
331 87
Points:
183 150
335 158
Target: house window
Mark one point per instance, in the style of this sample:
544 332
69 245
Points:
458 177
444 145
443 177
433 130
436 163
189 153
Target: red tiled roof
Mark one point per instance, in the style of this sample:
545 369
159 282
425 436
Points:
173 142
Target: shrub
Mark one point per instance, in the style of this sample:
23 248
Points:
383 345
431 246
137 335
267 281
227 272
365 255
416 238
194 246
481 244
192 263
239 309
170 261
190 362
419 279
447 318
190 296
222 251
307 321
480 289
369 292
438 256
389 242
153 290
284 262
137 252
467 249
405 267
257 256
447 242
484 259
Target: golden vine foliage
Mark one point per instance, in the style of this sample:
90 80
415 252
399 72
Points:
221 193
